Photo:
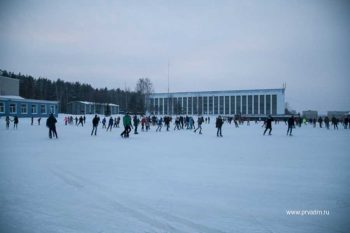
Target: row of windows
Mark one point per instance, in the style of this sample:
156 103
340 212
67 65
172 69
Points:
247 104
24 108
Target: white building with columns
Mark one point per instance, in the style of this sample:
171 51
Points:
259 102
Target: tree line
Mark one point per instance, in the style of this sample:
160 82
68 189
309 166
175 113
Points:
65 92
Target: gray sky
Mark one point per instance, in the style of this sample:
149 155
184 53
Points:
211 45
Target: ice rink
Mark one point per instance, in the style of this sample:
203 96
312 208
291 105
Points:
175 181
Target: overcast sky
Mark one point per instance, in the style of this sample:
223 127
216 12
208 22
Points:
211 45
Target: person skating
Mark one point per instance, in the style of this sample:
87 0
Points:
31 120
326 122
335 123
159 124
290 125
136 122
95 122
118 121
219 123
15 122
199 122
51 124
268 124
110 124
39 119
104 123
127 126
7 120
81 121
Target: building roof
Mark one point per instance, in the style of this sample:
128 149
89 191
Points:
220 92
19 98
93 103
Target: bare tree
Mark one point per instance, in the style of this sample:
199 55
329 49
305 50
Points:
144 86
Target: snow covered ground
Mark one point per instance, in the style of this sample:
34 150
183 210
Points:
175 181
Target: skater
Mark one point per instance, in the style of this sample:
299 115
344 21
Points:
81 121
76 120
51 124
219 123
7 120
104 123
118 121
110 124
15 122
159 123
290 125
39 119
199 122
136 122
127 126
335 123
268 124
143 121
95 122
31 120
177 123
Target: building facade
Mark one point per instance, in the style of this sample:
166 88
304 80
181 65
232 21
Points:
18 106
310 114
9 86
260 102
83 107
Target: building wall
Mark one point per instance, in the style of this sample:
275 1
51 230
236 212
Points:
250 102
80 107
9 86
310 114
27 108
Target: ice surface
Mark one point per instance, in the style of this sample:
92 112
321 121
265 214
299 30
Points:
175 181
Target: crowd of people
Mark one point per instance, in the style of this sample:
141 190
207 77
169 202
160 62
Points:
182 123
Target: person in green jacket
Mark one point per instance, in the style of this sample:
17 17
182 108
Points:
127 125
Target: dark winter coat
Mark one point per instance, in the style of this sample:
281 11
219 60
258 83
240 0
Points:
51 122
219 122
95 121
291 122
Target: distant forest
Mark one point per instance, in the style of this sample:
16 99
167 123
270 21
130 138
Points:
65 92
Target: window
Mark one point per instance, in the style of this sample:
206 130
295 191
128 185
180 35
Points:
52 109
256 104
205 100
227 105
185 105
151 104
175 107
238 105
216 99
179 104
34 109
200 105
210 104
250 104
262 104
244 104
156 107
268 104
221 104
233 105
2 107
274 104
13 108
190 105
161 105
43 109
24 109
195 106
